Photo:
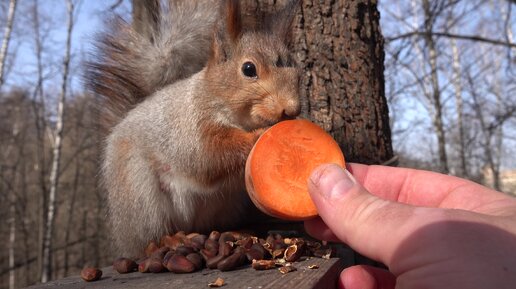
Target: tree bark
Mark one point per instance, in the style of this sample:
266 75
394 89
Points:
339 47
54 174
7 38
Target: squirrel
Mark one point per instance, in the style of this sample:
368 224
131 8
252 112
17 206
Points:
184 101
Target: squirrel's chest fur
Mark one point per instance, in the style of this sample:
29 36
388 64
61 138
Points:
156 158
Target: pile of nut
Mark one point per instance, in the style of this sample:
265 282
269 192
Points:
186 253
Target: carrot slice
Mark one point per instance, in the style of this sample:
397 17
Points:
280 163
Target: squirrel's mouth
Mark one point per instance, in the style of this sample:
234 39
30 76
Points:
285 116
266 122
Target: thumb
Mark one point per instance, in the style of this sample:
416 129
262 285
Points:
372 226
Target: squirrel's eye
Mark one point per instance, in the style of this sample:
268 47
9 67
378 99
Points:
249 69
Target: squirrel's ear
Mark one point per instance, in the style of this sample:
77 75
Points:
233 19
227 31
282 22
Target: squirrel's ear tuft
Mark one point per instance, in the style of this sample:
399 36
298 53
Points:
227 31
281 23
233 19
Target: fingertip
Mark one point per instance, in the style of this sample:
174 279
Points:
317 173
325 178
356 277
366 277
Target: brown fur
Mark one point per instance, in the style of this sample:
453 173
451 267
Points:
182 128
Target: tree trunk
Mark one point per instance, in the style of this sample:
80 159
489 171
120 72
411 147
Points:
39 108
7 37
437 120
488 133
456 79
12 240
54 174
25 220
339 46
71 214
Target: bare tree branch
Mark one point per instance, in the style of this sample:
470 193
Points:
451 35
116 4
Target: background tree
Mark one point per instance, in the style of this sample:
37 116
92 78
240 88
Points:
56 152
7 38
452 75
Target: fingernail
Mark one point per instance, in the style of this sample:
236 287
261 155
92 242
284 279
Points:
331 181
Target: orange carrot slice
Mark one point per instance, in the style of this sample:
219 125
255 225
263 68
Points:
280 163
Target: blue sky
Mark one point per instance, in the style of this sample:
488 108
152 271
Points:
88 22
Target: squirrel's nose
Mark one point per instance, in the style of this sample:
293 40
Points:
291 112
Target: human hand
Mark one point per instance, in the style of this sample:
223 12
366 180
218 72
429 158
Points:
430 230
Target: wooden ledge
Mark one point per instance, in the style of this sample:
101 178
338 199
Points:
245 278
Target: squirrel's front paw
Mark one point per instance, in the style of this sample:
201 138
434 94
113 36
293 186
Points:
259 131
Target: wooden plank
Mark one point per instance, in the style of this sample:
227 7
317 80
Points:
245 278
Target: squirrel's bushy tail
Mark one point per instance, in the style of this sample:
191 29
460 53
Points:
163 44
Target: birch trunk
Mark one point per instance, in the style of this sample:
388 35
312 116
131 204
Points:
7 36
54 173
39 108
456 78
12 196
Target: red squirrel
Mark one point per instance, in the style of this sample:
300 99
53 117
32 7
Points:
183 105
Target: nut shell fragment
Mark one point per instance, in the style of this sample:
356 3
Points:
287 269
294 252
264 264
217 283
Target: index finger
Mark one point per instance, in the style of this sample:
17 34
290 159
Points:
424 188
